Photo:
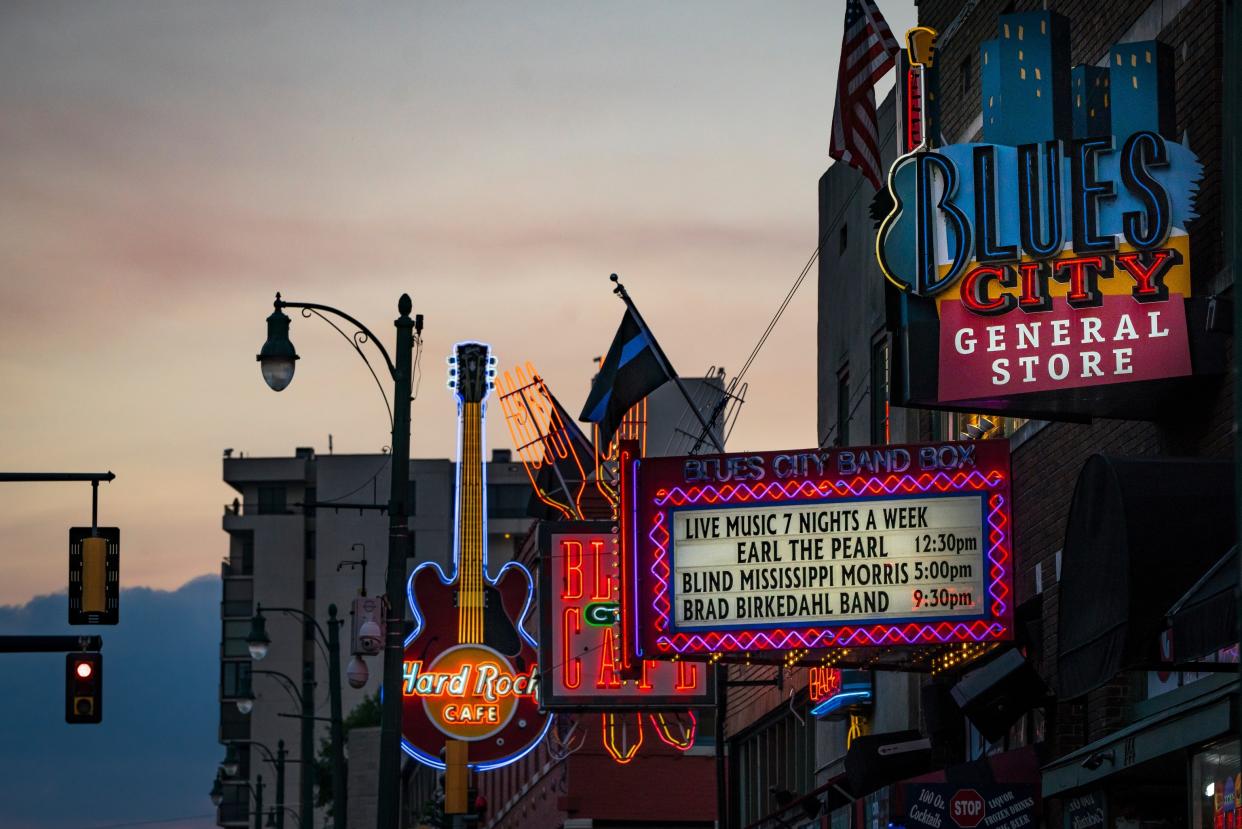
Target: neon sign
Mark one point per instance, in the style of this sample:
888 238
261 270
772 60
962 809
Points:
833 690
1054 254
582 658
469 666
780 551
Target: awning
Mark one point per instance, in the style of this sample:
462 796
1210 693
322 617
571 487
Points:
1140 533
1206 619
1201 712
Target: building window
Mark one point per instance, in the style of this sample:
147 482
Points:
234 678
238 598
507 500
234 725
1213 786
843 239
880 427
843 407
775 761
241 554
965 75
271 500
235 633
962 426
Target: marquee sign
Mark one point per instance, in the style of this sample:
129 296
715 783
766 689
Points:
824 548
581 658
1053 255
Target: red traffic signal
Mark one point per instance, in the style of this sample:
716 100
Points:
84 687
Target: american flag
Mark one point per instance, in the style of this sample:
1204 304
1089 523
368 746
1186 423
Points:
867 52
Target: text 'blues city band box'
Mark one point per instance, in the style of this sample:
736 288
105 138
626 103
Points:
849 548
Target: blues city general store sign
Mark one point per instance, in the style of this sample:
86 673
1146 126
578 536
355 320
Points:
1054 254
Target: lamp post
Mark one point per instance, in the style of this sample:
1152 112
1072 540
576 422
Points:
276 361
276 817
306 703
277 758
217 796
258 642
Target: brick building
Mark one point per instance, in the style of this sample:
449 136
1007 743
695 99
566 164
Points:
1141 745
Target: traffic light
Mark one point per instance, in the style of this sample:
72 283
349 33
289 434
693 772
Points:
94 575
83 688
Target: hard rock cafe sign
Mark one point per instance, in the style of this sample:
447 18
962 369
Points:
471 668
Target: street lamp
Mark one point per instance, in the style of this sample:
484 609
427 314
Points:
245 700
217 796
258 642
231 761
276 758
277 359
306 705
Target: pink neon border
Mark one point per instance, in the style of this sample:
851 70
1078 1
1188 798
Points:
979 630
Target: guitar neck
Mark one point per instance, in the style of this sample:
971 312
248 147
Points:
470 538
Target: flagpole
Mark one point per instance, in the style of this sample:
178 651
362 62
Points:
668 370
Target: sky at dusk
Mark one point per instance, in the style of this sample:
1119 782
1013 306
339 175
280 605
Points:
165 167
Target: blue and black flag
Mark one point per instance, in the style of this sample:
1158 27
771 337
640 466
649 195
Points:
633 369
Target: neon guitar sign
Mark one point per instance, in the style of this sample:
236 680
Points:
470 669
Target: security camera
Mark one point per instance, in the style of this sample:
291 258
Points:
1095 760
357 672
370 638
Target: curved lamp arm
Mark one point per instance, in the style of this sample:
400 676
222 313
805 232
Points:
306 617
289 684
362 335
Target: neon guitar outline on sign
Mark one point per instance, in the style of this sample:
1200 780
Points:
912 189
477 679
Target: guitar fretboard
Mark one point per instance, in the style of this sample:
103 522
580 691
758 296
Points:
470 528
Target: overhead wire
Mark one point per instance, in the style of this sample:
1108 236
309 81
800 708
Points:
806 269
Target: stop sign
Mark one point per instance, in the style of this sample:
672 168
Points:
966 808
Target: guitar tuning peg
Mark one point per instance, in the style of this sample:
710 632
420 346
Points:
451 359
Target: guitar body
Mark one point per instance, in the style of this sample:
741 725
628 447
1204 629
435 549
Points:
470 668
432 594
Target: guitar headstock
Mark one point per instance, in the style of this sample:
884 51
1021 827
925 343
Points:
472 371
921 46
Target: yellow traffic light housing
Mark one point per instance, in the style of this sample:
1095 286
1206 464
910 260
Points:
94 575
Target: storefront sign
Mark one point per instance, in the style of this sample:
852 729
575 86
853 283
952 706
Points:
1054 254
581 659
835 690
819 548
1086 811
985 806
